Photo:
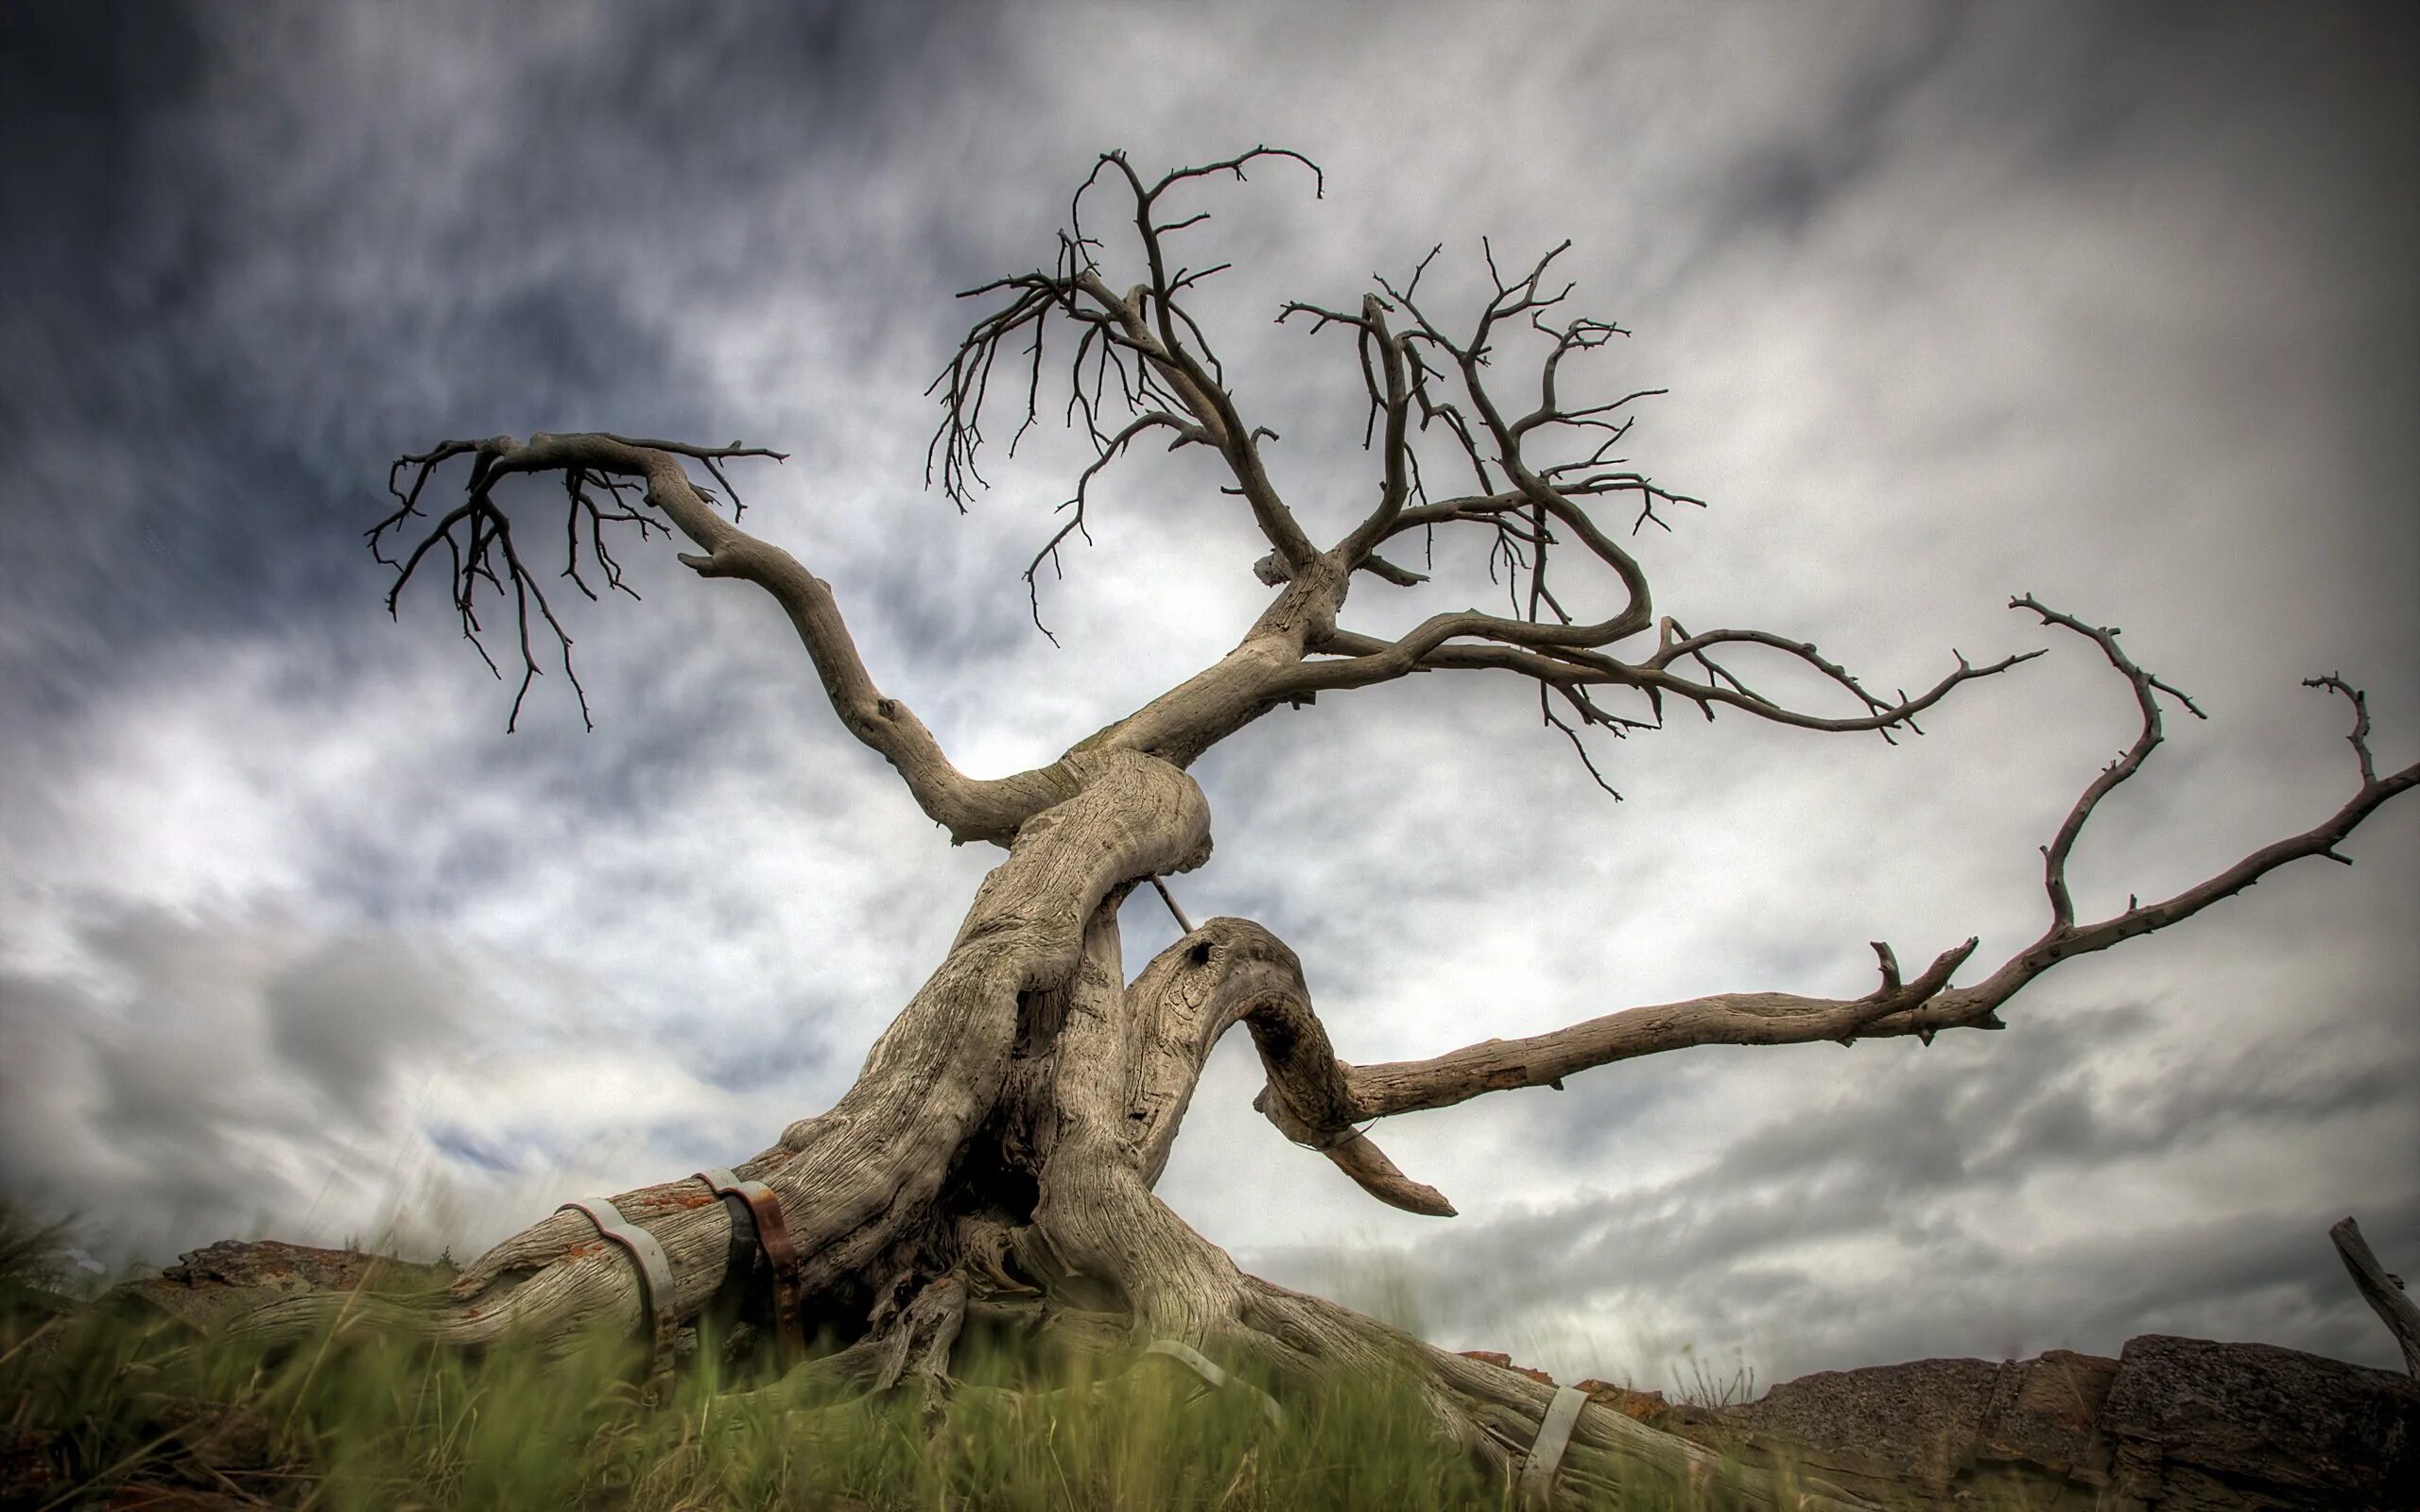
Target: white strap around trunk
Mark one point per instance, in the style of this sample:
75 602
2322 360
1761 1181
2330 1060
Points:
654 1273
1545 1454
1207 1369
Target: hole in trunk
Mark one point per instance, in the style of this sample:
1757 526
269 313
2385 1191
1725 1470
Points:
986 1182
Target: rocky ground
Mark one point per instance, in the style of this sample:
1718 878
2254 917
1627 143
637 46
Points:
2170 1425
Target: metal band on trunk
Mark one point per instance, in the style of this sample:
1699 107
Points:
654 1273
1208 1370
1546 1452
772 1236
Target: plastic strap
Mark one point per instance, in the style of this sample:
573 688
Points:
773 1237
654 1272
1554 1437
1207 1369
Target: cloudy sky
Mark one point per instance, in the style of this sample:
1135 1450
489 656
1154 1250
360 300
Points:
2110 303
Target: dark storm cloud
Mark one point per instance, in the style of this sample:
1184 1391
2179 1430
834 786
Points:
218 193
1779 188
154 1093
348 1012
142 1102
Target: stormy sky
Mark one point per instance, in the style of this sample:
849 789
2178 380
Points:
2110 303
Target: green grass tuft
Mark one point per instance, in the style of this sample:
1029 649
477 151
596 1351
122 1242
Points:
107 1398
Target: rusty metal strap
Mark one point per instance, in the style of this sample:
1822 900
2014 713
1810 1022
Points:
1207 1369
772 1236
1546 1452
654 1272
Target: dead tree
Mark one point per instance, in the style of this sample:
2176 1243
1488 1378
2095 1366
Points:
993 1164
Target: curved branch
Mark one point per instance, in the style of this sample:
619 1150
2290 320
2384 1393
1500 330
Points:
1921 1007
1229 971
1074 508
969 808
1311 1104
1543 488
1730 1019
2054 855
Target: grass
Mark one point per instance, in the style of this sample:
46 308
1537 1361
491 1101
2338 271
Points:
349 1421
116 1406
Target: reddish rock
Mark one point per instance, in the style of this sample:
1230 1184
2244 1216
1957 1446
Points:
274 1263
2172 1425
1646 1406
1504 1361
208 1285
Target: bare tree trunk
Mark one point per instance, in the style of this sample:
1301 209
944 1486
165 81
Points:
995 1159
997 1155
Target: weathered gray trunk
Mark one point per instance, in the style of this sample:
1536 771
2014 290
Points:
997 1152
996 1156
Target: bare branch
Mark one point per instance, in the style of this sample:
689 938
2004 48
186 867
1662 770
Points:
970 809
1563 657
2054 855
1309 1101
1162 363
2383 1291
489 536
1921 1007
1544 1060
1110 450
2065 940
2360 735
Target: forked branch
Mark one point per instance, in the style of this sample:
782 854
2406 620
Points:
1727 1019
1139 353
597 463
1420 378
1922 1006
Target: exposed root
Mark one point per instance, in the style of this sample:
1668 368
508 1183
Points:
989 1179
1496 1413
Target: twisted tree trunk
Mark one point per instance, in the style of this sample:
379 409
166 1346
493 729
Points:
997 1152
994 1160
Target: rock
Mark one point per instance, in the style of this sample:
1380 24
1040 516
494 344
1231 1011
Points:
2172 1425
2046 1412
208 1285
33 1466
1885 1433
1645 1407
276 1263
1923 1414
2205 1427
1504 1361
